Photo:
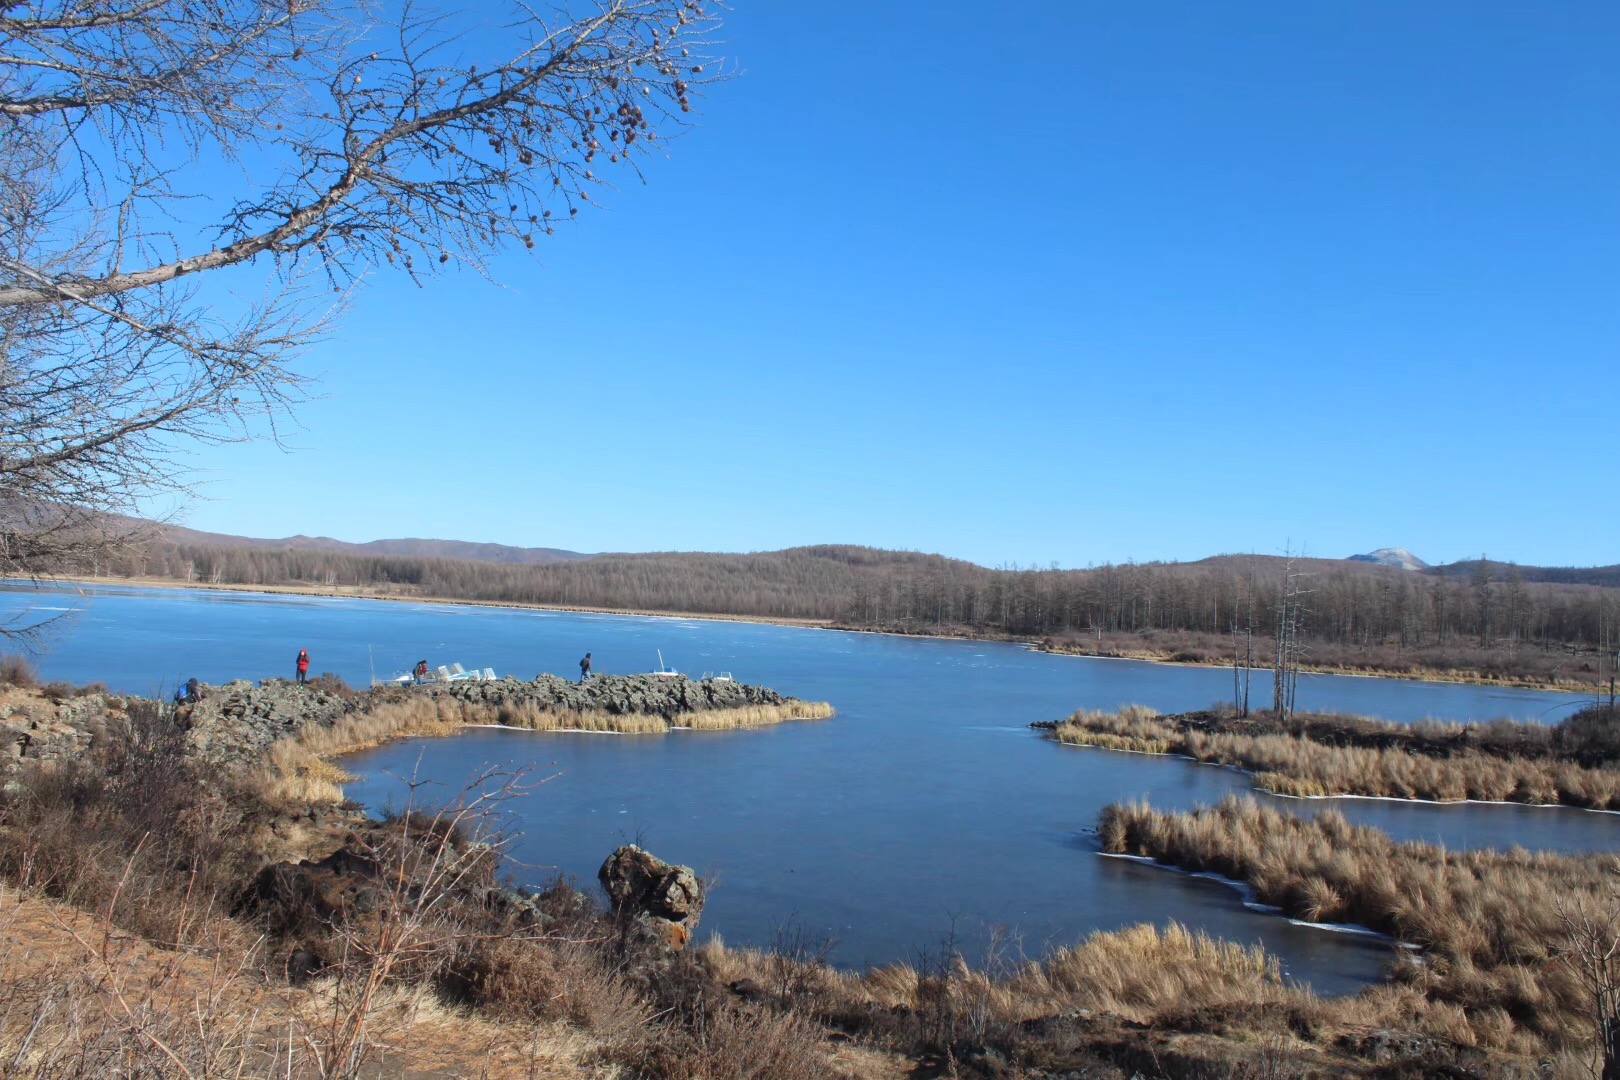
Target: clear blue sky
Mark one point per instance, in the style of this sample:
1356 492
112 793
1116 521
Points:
1054 281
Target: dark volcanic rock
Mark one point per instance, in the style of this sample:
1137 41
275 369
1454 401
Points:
662 901
236 722
621 695
43 730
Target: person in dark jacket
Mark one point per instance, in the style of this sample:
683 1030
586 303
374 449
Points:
193 691
585 668
303 665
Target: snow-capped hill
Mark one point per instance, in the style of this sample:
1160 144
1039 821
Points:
1392 557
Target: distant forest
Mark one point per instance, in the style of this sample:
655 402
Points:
1348 604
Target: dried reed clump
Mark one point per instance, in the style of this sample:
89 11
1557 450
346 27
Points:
745 716
1489 922
1300 765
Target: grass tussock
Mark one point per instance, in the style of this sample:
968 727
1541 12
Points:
1491 924
1442 763
293 775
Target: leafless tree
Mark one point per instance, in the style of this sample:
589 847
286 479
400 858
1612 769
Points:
1591 950
1243 677
190 188
1481 581
1291 614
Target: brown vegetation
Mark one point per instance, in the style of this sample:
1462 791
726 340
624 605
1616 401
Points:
1459 659
17 671
201 944
172 946
1310 755
1488 923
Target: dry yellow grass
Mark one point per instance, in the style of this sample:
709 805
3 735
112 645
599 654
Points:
1136 972
293 775
747 716
1488 922
81 998
298 770
1300 766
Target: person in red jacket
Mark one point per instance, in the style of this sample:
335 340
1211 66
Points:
303 665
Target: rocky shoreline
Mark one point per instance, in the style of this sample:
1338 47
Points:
235 723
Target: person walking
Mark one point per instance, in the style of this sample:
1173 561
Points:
303 665
585 668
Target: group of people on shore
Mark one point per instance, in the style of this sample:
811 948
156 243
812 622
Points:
188 693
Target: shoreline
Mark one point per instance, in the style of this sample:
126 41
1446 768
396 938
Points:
336 592
1426 675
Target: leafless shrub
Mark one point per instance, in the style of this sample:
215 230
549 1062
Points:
738 1042
17 671
329 683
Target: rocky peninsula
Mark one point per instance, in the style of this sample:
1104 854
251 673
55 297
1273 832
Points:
238 721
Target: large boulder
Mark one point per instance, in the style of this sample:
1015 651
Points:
660 901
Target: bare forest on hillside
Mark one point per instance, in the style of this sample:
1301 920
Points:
1352 615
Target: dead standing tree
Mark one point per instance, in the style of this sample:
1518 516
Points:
1291 612
1243 655
184 183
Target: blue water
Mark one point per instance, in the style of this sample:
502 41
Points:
926 802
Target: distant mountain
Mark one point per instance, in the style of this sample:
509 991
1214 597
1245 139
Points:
410 546
1392 556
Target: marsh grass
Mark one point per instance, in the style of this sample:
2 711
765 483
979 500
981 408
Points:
746 716
299 771
1487 922
1502 762
1137 972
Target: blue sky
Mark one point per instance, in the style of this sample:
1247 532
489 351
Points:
1058 282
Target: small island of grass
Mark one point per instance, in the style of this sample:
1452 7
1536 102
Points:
1313 755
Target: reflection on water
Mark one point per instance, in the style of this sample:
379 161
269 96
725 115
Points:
926 803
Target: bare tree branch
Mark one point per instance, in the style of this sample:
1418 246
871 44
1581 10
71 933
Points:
126 328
